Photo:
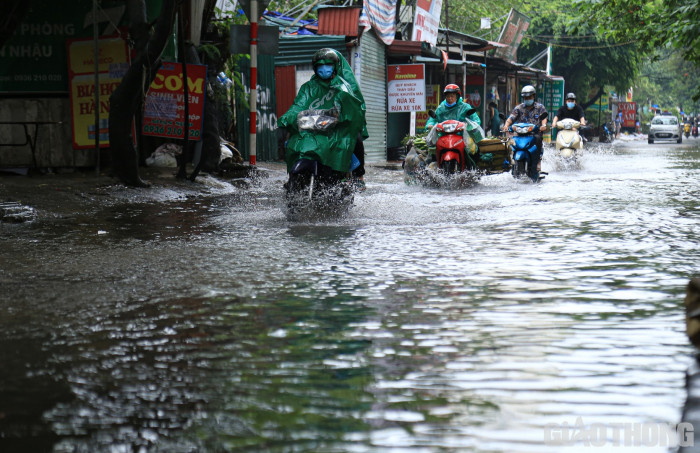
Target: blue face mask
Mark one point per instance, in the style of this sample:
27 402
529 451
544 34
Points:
325 71
529 102
450 105
570 105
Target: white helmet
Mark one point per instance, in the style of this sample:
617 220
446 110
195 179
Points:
528 90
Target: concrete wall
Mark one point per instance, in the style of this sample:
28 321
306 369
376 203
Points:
54 143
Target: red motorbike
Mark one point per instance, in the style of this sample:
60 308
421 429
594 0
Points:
450 147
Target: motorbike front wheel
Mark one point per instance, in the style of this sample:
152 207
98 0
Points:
519 168
449 167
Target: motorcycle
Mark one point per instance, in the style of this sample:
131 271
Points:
569 143
523 150
686 129
451 144
456 155
605 135
315 188
695 131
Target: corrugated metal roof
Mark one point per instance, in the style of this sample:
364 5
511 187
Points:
298 49
341 20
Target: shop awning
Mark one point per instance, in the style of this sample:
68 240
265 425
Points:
413 48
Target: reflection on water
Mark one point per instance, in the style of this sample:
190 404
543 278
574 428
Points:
426 320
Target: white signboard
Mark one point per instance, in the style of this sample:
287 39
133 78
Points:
427 21
406 88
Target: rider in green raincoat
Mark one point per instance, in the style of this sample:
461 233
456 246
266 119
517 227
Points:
333 86
456 110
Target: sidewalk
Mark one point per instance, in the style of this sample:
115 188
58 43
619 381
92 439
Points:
24 198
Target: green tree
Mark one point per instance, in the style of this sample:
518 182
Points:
667 79
585 60
652 24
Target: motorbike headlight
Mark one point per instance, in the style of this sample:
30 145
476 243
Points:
523 129
306 122
449 128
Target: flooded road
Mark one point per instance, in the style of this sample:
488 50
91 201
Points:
423 321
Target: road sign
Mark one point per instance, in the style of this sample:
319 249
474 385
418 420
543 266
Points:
268 39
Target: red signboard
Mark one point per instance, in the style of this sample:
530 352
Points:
629 113
473 90
164 112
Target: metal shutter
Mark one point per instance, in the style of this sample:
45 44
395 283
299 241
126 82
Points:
372 55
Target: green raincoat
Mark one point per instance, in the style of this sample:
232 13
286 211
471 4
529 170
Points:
456 112
333 148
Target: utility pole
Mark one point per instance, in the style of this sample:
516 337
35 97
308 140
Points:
253 79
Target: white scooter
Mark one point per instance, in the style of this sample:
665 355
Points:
569 143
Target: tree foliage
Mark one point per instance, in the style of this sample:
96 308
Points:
652 24
667 79
585 60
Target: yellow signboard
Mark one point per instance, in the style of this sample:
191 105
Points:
602 102
112 65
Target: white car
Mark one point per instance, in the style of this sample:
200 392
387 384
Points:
665 127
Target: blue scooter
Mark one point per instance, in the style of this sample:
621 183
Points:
524 150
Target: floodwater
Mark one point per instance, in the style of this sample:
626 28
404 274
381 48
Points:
484 320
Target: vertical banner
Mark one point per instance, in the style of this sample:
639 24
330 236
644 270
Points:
164 112
432 100
473 91
629 112
406 88
553 99
427 21
112 65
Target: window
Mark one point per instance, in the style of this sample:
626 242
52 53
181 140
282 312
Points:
665 120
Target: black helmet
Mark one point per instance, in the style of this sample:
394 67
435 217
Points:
325 56
528 90
571 96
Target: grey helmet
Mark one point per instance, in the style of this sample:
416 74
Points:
528 90
571 96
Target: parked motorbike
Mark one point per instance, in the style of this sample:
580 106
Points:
686 130
524 150
315 188
606 135
569 143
